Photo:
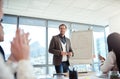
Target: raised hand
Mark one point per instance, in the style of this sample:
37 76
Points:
20 49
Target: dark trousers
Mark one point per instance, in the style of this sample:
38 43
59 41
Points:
62 68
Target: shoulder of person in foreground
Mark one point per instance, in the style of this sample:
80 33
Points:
25 70
5 72
109 63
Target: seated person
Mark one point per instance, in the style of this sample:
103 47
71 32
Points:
20 51
19 54
112 61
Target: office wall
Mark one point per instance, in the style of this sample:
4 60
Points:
114 23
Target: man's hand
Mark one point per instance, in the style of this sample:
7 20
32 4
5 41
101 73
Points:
69 54
20 49
63 53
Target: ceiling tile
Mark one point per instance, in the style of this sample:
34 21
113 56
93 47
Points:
91 11
39 4
81 3
18 4
99 4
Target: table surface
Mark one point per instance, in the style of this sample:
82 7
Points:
89 75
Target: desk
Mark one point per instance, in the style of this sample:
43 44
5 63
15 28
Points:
89 75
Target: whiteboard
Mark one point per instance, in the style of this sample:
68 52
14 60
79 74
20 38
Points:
82 45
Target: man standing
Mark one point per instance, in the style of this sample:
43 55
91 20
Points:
60 47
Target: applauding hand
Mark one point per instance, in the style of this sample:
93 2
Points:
20 49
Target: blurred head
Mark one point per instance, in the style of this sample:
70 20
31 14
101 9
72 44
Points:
62 29
1 11
1 27
113 41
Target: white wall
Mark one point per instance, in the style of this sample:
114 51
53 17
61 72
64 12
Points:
114 23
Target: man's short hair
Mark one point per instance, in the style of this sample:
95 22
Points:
62 25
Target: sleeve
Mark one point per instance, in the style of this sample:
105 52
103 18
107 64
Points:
52 47
12 65
70 48
109 63
25 70
5 72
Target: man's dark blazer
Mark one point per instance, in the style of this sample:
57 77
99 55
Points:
55 48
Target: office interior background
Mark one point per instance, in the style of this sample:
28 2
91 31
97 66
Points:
41 19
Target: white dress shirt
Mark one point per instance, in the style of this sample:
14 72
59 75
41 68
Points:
64 58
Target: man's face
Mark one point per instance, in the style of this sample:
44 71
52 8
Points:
1 33
1 11
1 27
62 30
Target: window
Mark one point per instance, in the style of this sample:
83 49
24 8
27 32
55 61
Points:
9 33
41 32
79 27
37 31
9 27
51 70
39 71
99 46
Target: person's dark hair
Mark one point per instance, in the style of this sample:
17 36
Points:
62 25
113 41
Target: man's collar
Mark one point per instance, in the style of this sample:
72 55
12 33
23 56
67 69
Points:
61 36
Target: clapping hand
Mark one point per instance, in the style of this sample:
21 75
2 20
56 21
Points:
20 49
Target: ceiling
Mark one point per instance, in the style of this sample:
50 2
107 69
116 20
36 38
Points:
82 11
